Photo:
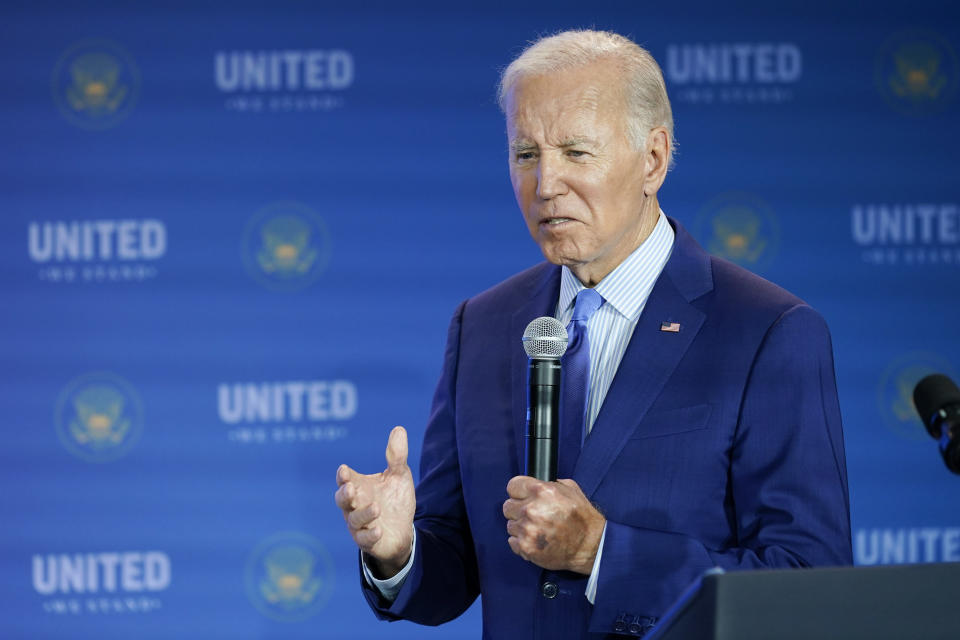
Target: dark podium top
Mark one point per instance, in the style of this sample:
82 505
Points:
908 601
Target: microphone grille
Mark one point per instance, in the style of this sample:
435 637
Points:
545 338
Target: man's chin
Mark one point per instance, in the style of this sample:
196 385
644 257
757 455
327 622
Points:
563 252
562 260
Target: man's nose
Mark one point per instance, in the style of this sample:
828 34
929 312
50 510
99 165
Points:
550 182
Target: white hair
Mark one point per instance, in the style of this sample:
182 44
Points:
643 88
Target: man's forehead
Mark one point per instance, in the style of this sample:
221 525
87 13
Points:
539 96
563 99
562 119
584 82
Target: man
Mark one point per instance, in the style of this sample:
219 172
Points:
712 430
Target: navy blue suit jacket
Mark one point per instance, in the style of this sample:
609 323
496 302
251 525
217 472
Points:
718 445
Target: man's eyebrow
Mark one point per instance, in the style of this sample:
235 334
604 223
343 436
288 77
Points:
518 146
522 145
573 142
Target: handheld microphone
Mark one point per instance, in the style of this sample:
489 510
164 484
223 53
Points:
937 399
545 341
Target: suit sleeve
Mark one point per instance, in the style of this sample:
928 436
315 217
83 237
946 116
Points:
442 582
787 482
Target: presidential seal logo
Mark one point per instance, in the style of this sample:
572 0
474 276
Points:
286 246
917 72
289 576
739 227
895 393
95 84
98 417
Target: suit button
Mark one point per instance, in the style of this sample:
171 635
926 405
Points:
549 590
633 628
619 626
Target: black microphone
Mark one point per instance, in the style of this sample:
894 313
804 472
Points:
545 341
937 399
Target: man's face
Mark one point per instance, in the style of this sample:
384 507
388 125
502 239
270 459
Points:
576 176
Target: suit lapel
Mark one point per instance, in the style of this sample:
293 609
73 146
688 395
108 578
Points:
542 301
650 358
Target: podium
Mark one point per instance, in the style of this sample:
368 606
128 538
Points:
849 603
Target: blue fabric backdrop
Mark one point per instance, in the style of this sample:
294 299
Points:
232 235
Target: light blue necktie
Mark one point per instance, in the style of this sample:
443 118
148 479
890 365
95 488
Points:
576 382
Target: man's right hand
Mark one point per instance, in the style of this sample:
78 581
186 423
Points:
379 508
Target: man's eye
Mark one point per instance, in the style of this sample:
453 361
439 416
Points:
575 153
525 155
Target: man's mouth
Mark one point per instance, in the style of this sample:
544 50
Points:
556 221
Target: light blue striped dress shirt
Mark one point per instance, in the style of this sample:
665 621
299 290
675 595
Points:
625 291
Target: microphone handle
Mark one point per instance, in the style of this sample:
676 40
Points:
543 419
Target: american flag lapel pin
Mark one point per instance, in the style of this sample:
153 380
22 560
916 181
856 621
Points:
670 327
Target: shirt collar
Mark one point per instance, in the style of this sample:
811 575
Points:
628 286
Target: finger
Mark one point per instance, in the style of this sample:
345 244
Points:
514 509
397 449
567 482
360 518
344 497
350 498
517 548
366 538
521 487
517 529
344 474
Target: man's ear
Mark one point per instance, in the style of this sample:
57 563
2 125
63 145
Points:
656 160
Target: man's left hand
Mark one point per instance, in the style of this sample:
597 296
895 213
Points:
552 524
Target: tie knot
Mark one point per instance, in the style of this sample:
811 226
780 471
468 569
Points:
588 301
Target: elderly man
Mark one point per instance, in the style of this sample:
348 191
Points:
711 430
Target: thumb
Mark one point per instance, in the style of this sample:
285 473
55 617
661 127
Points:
397 449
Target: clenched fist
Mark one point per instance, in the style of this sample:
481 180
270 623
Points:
552 524
379 508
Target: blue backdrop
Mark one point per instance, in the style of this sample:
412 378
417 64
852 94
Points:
232 236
